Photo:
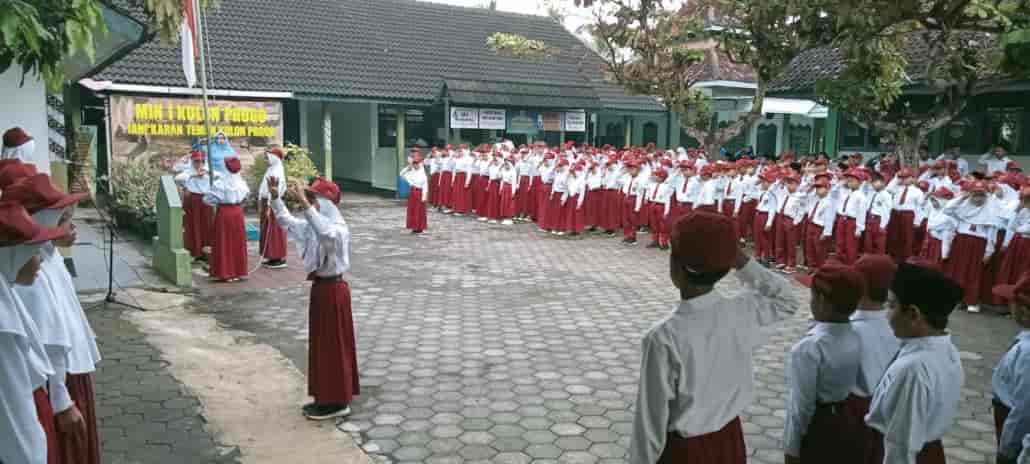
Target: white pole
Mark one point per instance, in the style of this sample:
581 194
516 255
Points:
203 86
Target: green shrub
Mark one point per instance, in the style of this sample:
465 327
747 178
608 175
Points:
134 187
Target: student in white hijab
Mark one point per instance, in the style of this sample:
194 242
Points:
273 238
229 241
27 434
323 239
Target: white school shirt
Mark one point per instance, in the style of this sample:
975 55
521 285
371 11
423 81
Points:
661 193
1019 224
792 205
613 178
963 165
509 176
1011 383
916 400
706 193
853 205
595 180
24 366
992 164
576 186
879 347
822 212
912 196
634 187
417 178
821 368
768 203
732 189
689 190
448 164
696 370
941 226
560 183
942 181
880 204
323 241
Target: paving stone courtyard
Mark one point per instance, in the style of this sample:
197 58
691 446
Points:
487 343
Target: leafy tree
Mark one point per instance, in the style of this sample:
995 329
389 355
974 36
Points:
37 34
946 50
649 47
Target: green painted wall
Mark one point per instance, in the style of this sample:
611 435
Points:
354 139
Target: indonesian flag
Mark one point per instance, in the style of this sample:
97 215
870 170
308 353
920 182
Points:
188 36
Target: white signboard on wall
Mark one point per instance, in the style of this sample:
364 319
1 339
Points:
464 118
575 121
492 119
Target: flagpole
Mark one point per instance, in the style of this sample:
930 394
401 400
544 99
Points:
197 25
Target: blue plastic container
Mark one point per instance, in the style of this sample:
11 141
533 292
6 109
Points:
402 188
253 233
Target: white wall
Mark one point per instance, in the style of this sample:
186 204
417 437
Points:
25 106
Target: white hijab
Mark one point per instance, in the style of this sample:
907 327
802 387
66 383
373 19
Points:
22 152
275 169
14 319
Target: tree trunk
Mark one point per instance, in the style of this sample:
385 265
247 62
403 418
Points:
908 143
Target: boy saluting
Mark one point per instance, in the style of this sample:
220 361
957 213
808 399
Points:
696 372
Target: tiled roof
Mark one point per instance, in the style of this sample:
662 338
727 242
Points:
378 49
717 66
827 62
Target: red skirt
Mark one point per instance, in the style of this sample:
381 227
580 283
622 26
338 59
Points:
462 196
532 196
931 249
592 207
920 236
612 210
434 189
273 236
493 199
80 387
555 211
480 184
475 194
723 447
965 265
932 452
506 210
575 218
727 207
1016 261
901 235
836 434
522 199
229 247
786 240
196 224
332 352
46 418
543 202
446 194
991 271
708 208
659 224
416 211
630 217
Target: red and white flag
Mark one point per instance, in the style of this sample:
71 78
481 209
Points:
188 36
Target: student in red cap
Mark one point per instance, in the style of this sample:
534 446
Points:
974 242
18 145
750 192
228 262
879 345
878 218
1011 381
906 200
27 430
688 186
916 401
324 237
819 224
633 194
851 217
790 215
822 370
418 193
572 202
696 370
509 191
64 330
765 219
272 244
197 215
659 194
444 196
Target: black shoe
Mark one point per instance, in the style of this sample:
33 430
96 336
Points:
308 408
326 412
663 247
275 264
630 242
652 245
610 233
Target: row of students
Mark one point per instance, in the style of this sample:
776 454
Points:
976 227
48 351
876 380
